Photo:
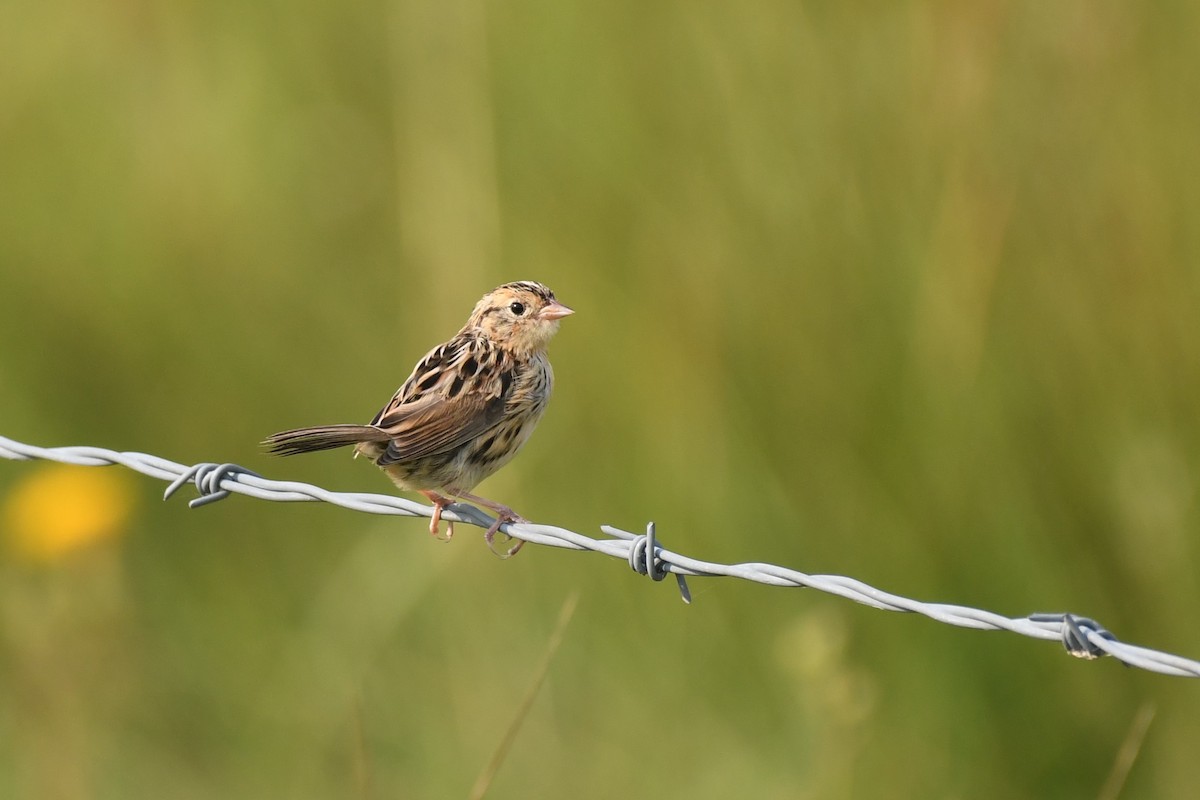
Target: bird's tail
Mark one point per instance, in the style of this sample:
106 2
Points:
322 437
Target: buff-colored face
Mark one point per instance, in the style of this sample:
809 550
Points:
523 316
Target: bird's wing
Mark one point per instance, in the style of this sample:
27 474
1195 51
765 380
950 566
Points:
456 393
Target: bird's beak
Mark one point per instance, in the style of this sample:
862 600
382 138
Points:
555 311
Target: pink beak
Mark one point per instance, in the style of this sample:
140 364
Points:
555 311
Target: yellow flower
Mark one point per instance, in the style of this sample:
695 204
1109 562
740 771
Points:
59 509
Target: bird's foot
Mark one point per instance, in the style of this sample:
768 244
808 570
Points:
439 503
507 515
503 514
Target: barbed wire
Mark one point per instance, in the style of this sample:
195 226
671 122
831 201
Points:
1082 637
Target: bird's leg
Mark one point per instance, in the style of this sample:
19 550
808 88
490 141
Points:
439 502
503 514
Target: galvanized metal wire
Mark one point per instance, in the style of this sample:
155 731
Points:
1082 637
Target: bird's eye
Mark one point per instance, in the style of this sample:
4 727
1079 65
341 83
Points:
517 308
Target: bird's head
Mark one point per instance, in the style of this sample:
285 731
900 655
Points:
520 316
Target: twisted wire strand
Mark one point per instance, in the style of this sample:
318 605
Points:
1081 637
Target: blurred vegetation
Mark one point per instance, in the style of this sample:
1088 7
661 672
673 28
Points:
906 291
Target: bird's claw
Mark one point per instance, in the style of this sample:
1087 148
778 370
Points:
435 521
490 536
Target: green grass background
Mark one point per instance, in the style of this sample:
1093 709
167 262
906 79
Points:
903 291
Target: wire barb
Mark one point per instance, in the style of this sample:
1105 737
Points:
208 478
1077 633
1082 637
645 558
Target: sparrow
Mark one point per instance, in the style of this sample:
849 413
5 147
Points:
464 412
